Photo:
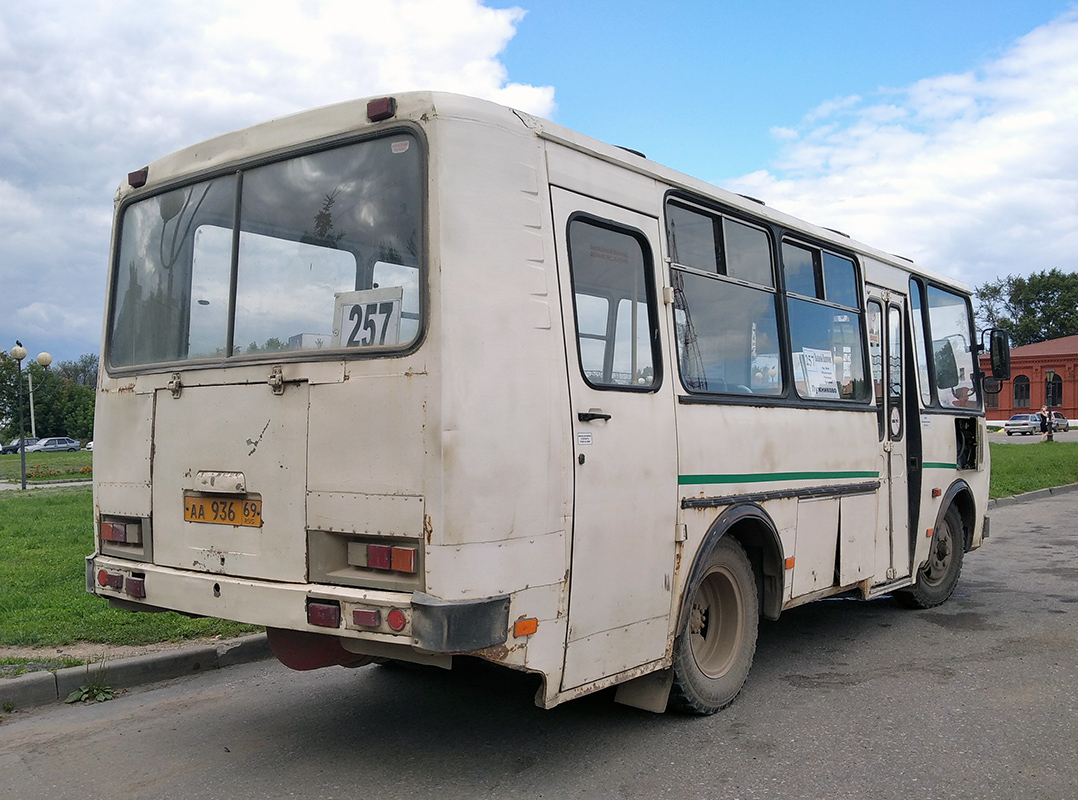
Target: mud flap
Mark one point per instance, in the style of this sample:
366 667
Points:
648 692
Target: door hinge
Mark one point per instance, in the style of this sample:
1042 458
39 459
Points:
681 532
175 385
276 380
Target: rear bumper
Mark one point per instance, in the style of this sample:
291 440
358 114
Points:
431 624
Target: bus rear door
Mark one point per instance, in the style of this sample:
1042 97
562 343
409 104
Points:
625 465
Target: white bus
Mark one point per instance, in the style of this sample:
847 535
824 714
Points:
421 376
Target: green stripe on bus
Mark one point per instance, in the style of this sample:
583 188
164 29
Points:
939 465
762 477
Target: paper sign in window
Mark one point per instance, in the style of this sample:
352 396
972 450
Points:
819 371
367 318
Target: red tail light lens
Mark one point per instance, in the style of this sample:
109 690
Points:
325 615
396 619
111 580
367 617
136 587
380 556
121 532
382 108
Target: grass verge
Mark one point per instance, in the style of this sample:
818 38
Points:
45 536
1020 468
44 467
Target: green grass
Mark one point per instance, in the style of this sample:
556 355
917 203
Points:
45 536
1020 468
46 467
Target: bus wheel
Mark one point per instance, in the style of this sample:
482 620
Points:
713 652
938 577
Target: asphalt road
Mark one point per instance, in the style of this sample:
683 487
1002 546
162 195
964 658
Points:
1021 438
975 699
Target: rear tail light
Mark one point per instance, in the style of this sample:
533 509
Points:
138 178
325 614
367 617
379 556
403 559
135 587
396 619
110 579
382 108
131 585
386 557
121 532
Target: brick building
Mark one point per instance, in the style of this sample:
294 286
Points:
1028 388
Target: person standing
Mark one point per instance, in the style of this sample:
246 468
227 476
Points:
1046 420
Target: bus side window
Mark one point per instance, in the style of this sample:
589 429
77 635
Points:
825 324
725 310
616 333
951 325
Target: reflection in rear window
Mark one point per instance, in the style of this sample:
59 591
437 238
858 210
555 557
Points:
325 254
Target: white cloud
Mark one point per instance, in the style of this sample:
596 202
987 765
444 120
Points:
90 91
973 175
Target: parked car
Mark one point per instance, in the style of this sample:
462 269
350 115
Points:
1059 422
13 447
89 445
54 444
1023 423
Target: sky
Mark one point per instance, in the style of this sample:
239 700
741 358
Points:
942 130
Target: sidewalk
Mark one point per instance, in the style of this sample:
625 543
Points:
42 688
4 486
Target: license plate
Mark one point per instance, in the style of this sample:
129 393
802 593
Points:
246 512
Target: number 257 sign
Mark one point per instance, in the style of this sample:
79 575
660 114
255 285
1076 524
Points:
367 318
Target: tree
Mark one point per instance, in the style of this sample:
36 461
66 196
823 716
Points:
82 372
64 397
1034 309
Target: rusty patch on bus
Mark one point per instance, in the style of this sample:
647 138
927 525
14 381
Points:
128 389
499 652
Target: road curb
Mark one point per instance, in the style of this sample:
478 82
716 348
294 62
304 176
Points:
43 688
1038 494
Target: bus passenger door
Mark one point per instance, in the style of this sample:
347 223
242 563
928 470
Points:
625 466
886 347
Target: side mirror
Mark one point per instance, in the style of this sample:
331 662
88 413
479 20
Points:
999 353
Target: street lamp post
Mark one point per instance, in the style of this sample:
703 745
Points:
44 359
18 352
1049 379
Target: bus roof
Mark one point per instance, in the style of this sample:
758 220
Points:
346 118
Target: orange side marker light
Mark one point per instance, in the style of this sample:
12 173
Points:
525 627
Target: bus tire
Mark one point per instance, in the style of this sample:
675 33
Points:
713 651
938 577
